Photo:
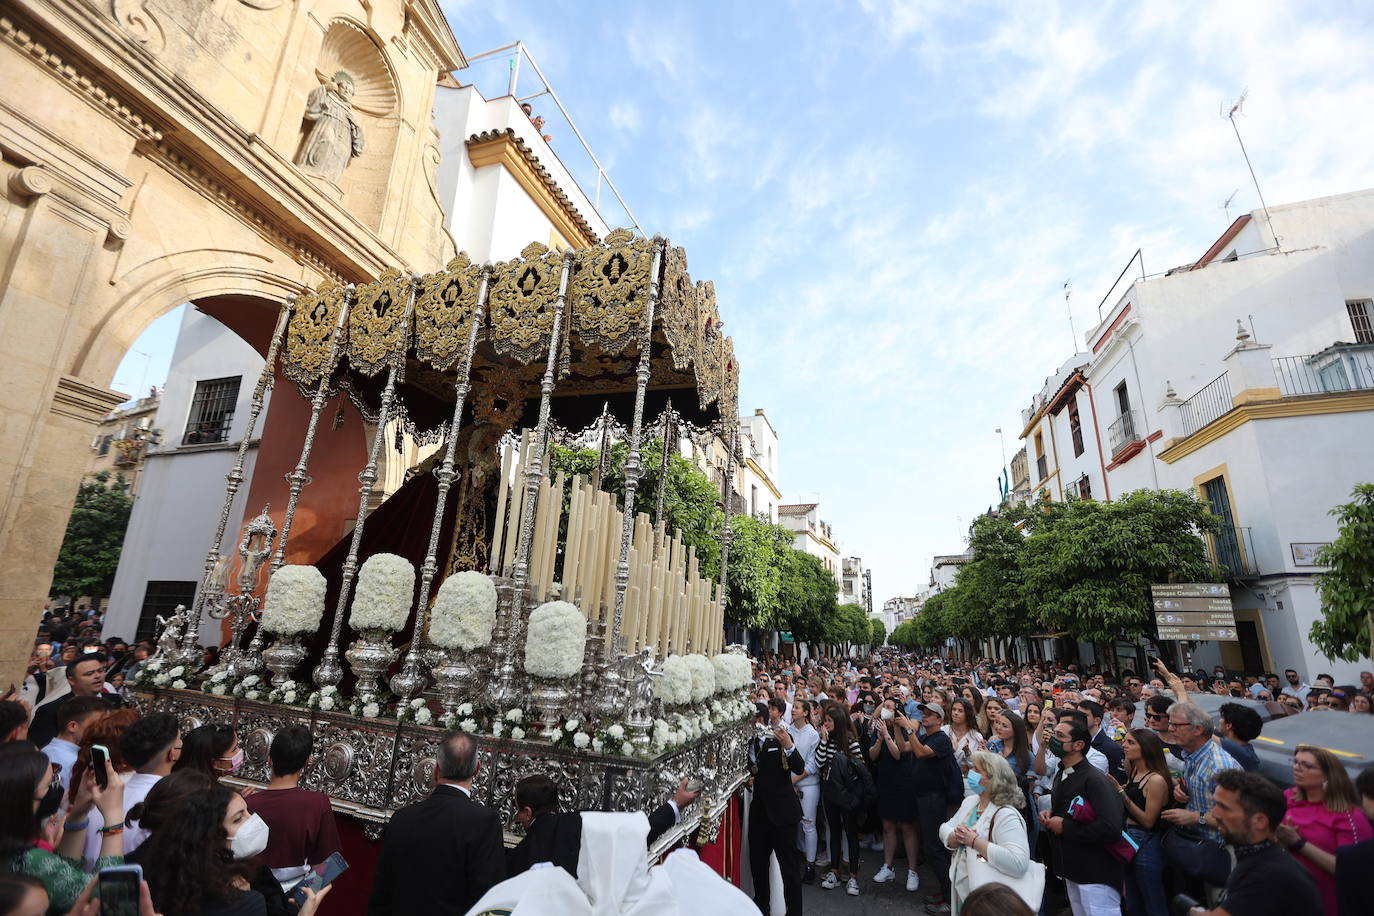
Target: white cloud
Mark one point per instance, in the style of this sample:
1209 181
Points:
625 116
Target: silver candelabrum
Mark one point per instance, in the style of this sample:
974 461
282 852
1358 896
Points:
255 549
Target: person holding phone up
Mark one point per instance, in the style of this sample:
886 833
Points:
30 802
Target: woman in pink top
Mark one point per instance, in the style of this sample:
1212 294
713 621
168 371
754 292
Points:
1323 813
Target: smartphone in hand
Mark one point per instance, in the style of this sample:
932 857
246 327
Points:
100 765
119 890
318 877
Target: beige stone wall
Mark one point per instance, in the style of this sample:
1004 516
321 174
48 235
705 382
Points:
146 155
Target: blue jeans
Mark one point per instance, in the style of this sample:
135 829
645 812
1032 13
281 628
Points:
1145 894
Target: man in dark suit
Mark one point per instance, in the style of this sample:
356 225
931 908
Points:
1102 742
1091 874
550 835
775 810
670 812
86 676
442 854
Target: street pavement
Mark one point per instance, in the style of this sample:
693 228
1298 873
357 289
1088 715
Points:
874 899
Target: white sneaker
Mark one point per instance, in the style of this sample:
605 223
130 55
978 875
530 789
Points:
830 881
852 888
884 875
913 881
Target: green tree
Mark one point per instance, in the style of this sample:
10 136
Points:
806 600
760 555
877 632
89 556
1346 628
1087 566
988 601
931 625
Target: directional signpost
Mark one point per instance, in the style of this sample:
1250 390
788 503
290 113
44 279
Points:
1194 611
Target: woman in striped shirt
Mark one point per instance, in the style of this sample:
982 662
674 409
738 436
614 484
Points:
836 734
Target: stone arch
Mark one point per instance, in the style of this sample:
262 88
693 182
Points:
378 105
156 287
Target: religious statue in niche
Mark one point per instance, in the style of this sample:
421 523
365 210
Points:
334 137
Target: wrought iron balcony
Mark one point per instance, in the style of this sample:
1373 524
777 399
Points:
1343 367
1125 430
1209 403
1232 549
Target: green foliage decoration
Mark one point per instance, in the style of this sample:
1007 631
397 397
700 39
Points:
1346 627
89 557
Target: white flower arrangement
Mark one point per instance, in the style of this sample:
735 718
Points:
733 672
250 688
497 729
627 749
371 710
581 740
415 711
178 685
218 683
703 677
597 745
674 688
295 601
386 591
324 699
464 612
571 725
515 715
148 674
159 675
289 693
468 725
424 717
517 733
556 639
615 731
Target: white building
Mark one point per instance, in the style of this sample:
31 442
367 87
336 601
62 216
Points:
1063 456
899 610
856 583
1246 377
202 415
812 535
758 476
945 568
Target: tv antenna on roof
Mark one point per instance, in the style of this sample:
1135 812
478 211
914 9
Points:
1226 205
1230 115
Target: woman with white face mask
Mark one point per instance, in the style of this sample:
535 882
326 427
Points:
204 860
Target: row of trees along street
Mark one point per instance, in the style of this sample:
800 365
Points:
1084 569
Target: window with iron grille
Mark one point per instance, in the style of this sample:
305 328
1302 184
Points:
1084 487
1075 428
162 597
212 411
103 448
1361 319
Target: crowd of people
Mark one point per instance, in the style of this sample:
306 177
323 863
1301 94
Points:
1022 788
1056 786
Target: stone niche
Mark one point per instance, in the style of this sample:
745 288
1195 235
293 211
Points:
377 108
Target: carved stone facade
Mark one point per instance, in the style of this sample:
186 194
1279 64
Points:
147 153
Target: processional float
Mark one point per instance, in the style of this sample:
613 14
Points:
544 601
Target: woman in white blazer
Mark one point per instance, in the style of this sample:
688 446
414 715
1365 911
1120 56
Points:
988 825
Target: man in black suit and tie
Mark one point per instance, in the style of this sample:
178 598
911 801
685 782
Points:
775 811
1102 742
442 854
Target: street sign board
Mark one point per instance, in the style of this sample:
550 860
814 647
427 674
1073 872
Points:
1194 611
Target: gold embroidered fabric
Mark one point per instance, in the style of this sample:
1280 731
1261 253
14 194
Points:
711 355
377 332
609 292
309 334
521 301
678 310
444 308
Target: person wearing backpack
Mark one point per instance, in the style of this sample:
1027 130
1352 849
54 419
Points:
846 789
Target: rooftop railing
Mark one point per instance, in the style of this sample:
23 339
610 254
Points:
517 56
1340 368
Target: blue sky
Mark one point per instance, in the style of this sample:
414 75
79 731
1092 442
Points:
890 196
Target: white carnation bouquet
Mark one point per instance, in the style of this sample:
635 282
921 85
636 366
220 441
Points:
733 672
252 687
703 677
464 613
292 693
386 591
326 699
675 687
295 601
555 641
417 711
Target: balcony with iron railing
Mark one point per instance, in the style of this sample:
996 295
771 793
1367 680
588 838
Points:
1232 549
1210 402
1124 431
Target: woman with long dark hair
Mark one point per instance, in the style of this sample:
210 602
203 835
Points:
201 860
1011 741
30 812
838 738
1146 793
213 749
962 729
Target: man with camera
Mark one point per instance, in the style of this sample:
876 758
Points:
1266 880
